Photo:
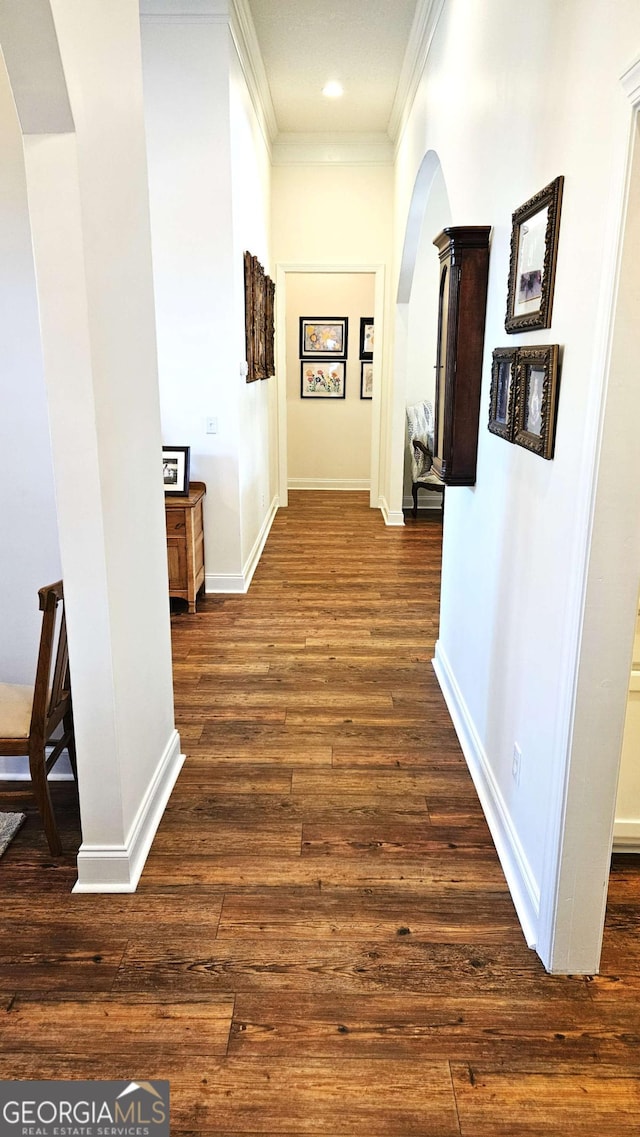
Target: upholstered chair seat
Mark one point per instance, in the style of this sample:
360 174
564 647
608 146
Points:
16 703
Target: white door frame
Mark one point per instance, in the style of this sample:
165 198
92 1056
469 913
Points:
379 371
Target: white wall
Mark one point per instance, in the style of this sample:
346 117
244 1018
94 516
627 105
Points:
209 198
251 195
186 100
514 545
329 440
29 552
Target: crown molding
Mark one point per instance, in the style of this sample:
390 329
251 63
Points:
631 82
332 150
423 29
244 36
186 11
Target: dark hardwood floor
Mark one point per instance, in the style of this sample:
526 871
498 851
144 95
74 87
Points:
322 941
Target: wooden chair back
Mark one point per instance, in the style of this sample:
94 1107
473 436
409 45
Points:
52 693
49 706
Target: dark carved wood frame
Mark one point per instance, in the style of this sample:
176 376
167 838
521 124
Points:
545 357
503 429
259 320
550 196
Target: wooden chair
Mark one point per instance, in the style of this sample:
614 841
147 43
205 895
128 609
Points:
420 430
30 715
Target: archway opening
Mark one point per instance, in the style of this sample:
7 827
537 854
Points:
417 302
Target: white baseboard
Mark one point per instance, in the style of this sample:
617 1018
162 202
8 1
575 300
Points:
17 769
117 868
522 884
259 544
626 836
391 517
425 501
238 583
224 582
348 484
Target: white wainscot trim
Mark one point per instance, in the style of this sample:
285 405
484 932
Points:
391 516
626 836
117 868
347 484
238 583
523 887
428 500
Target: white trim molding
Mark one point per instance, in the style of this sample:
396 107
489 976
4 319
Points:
237 584
626 836
430 501
117 868
184 9
243 34
522 884
424 26
347 484
193 11
392 517
630 81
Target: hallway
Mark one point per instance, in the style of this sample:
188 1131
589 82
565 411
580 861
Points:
322 941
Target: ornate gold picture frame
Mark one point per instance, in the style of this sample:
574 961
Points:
532 266
536 399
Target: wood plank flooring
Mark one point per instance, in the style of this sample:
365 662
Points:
322 941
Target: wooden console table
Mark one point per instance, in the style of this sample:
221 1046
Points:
185 543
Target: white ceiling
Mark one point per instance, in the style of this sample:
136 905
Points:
305 43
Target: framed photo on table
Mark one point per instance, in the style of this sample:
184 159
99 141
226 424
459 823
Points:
532 265
175 470
324 337
536 399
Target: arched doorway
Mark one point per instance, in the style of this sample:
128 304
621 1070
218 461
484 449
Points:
417 307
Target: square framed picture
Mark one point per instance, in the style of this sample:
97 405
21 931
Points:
320 380
536 399
324 337
366 338
532 265
366 380
175 470
502 398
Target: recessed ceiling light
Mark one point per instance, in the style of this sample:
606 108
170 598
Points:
333 90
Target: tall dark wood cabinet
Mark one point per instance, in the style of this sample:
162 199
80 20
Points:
464 270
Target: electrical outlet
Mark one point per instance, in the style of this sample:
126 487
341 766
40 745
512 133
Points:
212 426
516 763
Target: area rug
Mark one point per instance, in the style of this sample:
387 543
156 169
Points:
9 825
